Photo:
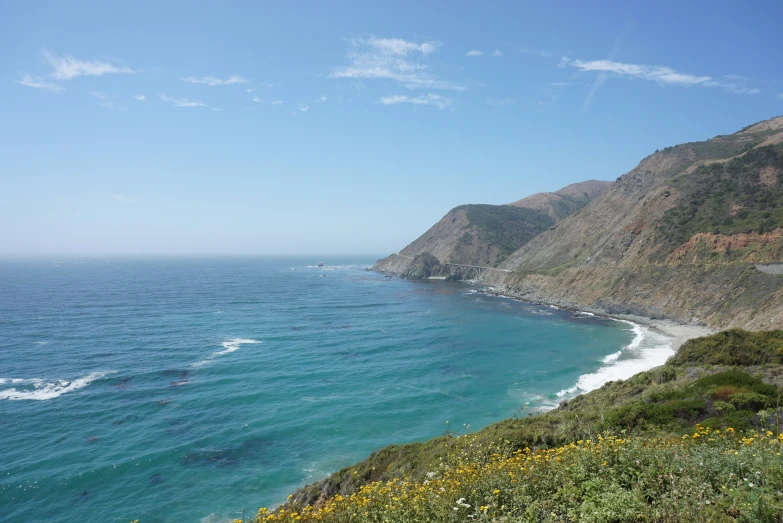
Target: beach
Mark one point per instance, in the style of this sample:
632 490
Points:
681 333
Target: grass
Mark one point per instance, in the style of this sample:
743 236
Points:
707 475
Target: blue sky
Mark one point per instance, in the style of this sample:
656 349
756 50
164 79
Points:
345 127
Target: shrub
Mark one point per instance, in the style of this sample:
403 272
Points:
725 391
738 380
734 347
705 475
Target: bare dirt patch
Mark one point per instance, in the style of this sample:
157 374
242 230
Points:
768 125
722 243
768 176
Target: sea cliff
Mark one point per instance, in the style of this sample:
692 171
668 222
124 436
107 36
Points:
688 236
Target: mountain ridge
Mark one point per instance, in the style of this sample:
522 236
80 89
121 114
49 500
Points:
484 235
676 237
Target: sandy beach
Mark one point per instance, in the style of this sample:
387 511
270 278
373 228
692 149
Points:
681 333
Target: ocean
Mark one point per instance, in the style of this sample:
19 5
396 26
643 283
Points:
190 389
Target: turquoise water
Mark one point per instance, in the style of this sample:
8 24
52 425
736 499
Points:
187 390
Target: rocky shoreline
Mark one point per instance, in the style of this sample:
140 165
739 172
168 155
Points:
680 332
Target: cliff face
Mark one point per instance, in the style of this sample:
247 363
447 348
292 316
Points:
679 236
676 237
485 235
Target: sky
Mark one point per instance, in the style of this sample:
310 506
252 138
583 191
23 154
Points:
326 128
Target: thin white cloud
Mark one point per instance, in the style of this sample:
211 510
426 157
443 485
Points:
735 85
603 75
439 101
660 74
250 90
303 107
212 81
111 105
474 52
140 97
182 102
393 59
323 98
124 199
277 102
656 73
257 100
780 96
67 67
37 82
496 52
97 94
398 46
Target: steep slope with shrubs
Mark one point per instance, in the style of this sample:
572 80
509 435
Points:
698 436
485 235
677 237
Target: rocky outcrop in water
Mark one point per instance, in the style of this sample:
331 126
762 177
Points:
423 266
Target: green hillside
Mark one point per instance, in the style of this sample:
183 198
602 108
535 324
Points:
728 198
502 226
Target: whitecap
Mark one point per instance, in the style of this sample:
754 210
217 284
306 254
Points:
46 390
567 392
4 381
229 346
648 349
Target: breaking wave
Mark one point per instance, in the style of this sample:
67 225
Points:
39 389
648 349
229 346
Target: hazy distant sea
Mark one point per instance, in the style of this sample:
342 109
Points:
187 390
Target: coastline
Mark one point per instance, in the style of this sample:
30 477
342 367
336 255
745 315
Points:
649 354
679 332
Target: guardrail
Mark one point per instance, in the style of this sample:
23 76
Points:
770 268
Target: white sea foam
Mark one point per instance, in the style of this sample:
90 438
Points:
229 346
15 381
45 390
648 349
567 392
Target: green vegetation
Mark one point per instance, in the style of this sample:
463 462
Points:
567 204
706 475
614 454
732 347
729 398
727 198
505 227
720 147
